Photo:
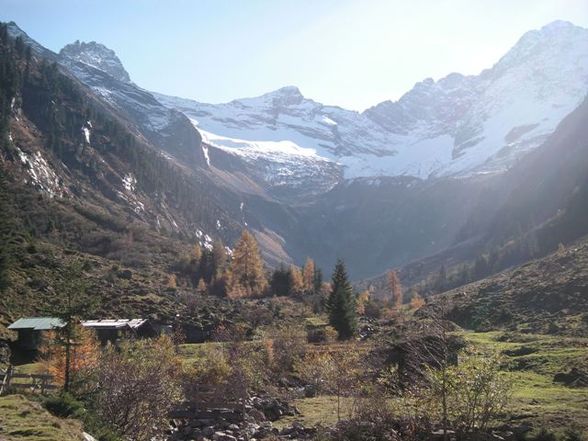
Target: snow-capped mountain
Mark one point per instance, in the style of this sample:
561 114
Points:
96 55
100 69
459 125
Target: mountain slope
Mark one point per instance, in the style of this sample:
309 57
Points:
548 295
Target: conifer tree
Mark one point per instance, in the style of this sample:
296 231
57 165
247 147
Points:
196 253
201 288
246 276
6 229
395 289
73 304
308 274
341 303
297 281
281 281
219 258
317 280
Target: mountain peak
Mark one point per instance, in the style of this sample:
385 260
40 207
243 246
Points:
288 90
558 25
98 56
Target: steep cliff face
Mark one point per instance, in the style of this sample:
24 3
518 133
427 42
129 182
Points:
96 55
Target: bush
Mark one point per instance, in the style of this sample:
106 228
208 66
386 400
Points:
573 434
64 405
544 435
326 334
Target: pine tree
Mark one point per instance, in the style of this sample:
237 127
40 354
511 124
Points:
246 277
341 303
308 275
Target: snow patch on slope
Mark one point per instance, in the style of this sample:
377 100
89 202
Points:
41 174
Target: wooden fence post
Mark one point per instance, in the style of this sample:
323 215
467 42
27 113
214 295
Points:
6 382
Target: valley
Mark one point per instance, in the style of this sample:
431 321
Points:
414 271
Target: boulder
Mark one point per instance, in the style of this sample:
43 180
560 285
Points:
222 436
574 378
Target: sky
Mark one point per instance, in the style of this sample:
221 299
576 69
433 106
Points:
350 53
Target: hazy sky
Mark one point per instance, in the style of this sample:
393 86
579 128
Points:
352 53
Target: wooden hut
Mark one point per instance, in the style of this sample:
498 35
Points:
32 331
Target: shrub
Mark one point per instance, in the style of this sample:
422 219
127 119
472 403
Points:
544 435
326 334
64 405
573 434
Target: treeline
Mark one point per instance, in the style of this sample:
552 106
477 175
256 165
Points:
514 252
241 275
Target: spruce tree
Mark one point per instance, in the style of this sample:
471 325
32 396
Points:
281 281
341 303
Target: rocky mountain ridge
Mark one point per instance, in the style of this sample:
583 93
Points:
457 126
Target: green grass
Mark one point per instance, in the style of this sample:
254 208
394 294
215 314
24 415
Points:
318 410
21 419
536 398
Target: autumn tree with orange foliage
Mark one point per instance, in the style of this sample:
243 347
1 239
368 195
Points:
362 299
297 285
246 275
417 301
72 305
308 274
395 289
84 355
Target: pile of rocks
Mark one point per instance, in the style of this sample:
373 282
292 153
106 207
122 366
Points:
253 421
272 408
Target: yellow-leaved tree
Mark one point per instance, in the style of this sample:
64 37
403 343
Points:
297 282
246 275
308 274
84 355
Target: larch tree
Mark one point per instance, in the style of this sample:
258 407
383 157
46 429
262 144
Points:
308 274
72 305
362 299
84 355
297 281
196 254
246 276
201 288
219 258
395 289
341 303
